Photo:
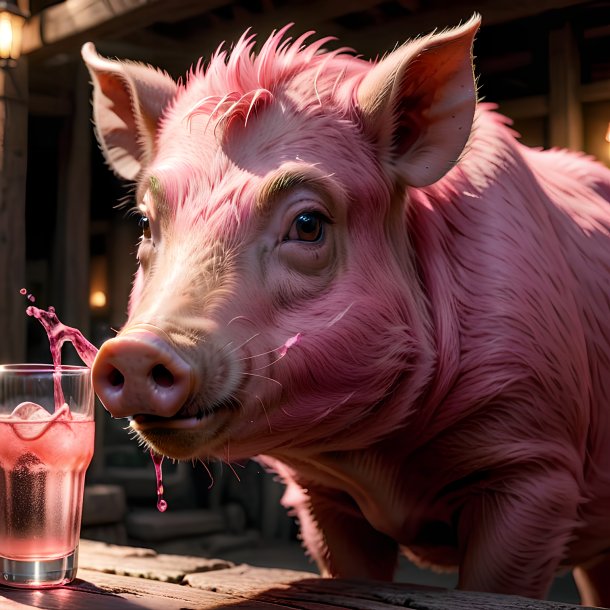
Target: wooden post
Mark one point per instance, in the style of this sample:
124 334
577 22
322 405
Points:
70 287
565 111
122 265
13 166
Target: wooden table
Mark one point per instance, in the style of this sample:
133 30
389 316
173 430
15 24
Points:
127 578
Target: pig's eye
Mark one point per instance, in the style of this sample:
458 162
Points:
144 224
307 226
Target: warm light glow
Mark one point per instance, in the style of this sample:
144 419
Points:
97 299
6 36
11 25
98 284
608 133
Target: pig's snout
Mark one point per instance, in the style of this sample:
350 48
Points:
140 372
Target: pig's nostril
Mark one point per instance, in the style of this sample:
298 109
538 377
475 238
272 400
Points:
162 376
115 378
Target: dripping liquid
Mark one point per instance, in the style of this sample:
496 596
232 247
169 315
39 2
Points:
157 461
59 334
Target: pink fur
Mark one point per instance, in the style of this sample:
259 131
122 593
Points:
431 374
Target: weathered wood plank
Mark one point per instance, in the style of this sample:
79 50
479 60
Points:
251 588
12 604
276 597
98 591
143 563
245 579
413 596
95 548
153 594
306 590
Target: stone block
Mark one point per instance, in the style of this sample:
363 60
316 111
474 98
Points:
150 525
103 504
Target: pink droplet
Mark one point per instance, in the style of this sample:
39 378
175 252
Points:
157 461
31 298
23 291
291 342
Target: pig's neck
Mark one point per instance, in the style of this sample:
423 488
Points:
372 478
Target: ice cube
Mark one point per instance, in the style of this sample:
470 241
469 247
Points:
30 411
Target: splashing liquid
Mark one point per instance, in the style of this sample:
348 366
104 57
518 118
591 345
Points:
30 297
58 334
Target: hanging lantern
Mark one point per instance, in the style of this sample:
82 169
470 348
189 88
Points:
12 19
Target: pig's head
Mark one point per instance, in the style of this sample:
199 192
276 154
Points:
277 303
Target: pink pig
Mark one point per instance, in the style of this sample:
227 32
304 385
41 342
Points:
352 271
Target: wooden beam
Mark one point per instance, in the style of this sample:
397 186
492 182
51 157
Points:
525 107
67 25
13 166
68 19
598 91
49 105
314 15
375 40
538 105
565 110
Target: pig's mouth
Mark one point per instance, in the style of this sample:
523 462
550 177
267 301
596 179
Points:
188 417
141 422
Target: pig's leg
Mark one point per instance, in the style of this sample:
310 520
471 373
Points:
340 540
593 582
512 537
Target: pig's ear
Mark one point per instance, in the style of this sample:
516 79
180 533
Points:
128 101
418 103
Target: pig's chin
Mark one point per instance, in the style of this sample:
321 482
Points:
183 438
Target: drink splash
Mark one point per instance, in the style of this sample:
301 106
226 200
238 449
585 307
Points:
59 334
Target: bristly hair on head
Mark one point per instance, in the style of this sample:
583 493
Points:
238 82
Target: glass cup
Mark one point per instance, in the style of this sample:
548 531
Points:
46 444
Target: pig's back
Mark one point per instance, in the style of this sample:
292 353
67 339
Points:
515 243
581 190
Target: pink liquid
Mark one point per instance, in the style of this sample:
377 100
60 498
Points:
58 334
157 461
42 470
